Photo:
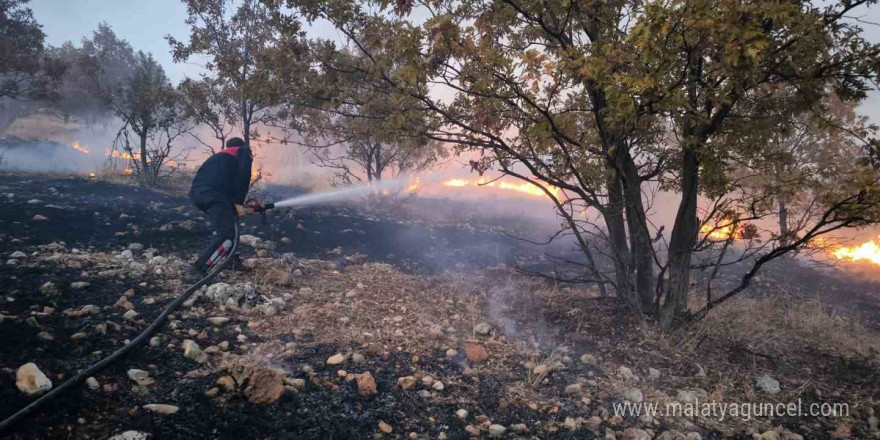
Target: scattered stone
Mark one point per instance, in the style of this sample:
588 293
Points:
653 373
135 246
40 218
634 395
161 408
79 335
483 329
48 288
406 382
212 392
192 351
218 320
496 430
475 353
767 384
336 359
45 336
574 388
93 383
385 428
461 414
155 341
438 386
223 345
451 353
31 381
19 255
129 315
366 384
141 377
357 358
295 383
79 285
131 435
227 382
264 386
635 434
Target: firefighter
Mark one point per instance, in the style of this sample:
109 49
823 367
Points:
219 189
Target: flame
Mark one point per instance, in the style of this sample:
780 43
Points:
413 187
524 187
127 171
171 163
124 155
868 250
717 232
79 148
92 174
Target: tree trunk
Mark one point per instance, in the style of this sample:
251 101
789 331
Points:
684 234
613 216
783 220
145 175
640 237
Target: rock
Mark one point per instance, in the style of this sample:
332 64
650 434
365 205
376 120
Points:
227 382
461 414
589 359
131 435
48 288
483 329
93 383
192 351
336 359
249 240
264 386
366 384
295 383
653 373
635 434
161 408
230 294
438 386
140 376
79 335
692 395
40 218
18 254
212 392
451 353
35 202
634 395
223 345
427 381
385 428
406 382
435 332
496 430
31 381
218 320
79 285
135 247
12 262
126 254
129 315
154 341
571 424
767 384
357 358
475 353
626 373
45 336
574 388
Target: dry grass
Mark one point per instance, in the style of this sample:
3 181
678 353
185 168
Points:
781 319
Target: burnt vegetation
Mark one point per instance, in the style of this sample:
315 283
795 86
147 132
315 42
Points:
702 162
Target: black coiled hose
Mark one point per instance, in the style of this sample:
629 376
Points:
83 375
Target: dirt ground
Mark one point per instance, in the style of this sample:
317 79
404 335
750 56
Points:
327 295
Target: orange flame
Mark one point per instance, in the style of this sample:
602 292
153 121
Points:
868 250
524 187
717 232
127 171
79 148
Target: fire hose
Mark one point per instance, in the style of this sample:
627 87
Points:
103 363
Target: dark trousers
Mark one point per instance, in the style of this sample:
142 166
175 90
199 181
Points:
222 216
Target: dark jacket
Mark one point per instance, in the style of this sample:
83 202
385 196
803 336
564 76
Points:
224 177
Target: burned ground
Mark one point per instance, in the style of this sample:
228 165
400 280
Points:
395 298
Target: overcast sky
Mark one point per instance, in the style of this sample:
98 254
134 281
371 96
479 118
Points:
145 23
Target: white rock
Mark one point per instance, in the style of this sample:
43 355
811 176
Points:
159 260
590 359
79 285
137 375
438 386
161 408
40 218
218 320
483 329
129 315
496 430
135 247
192 351
93 383
653 373
767 384
18 254
131 435
461 414
31 381
336 359
634 395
